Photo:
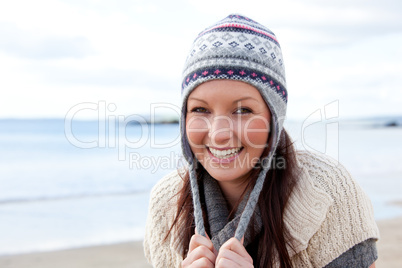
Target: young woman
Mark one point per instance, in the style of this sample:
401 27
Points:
247 198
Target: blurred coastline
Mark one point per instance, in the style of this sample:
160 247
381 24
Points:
55 195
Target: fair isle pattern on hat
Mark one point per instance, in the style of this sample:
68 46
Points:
236 41
236 48
232 43
235 74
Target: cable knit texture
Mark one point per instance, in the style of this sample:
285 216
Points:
327 214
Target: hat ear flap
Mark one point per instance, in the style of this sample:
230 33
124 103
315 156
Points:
198 217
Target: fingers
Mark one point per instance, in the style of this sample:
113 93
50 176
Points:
214 249
201 263
234 245
227 258
233 254
200 257
201 253
199 240
197 233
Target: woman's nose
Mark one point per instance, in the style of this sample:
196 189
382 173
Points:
221 131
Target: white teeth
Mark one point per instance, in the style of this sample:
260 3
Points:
224 153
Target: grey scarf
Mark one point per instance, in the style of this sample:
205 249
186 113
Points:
221 228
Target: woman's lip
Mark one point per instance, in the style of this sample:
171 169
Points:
225 148
225 160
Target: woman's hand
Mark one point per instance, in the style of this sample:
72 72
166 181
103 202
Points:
200 253
232 254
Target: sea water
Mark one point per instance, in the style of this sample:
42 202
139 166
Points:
88 183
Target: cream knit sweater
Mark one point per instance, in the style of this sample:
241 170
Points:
327 214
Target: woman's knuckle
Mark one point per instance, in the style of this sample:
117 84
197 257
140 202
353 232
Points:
223 251
204 249
193 238
222 263
205 261
202 262
200 250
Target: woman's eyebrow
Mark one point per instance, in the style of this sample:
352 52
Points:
201 100
235 101
245 98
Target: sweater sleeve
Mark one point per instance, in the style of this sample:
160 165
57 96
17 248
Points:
362 255
161 252
349 220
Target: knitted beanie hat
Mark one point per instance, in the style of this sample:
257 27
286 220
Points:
236 48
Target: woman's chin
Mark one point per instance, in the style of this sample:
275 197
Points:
225 175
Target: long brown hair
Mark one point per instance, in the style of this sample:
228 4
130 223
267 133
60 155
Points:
274 196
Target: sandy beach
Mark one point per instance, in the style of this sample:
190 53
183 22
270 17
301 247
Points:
131 254
122 255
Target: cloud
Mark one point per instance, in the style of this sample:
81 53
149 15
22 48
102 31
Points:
34 45
107 77
316 23
57 52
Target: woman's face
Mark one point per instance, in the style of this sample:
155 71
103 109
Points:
227 126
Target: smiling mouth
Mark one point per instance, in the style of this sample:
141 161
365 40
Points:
224 154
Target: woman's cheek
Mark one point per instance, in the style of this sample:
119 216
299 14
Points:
196 129
255 132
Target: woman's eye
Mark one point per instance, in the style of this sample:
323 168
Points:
243 111
199 110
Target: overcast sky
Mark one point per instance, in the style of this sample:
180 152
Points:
56 54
